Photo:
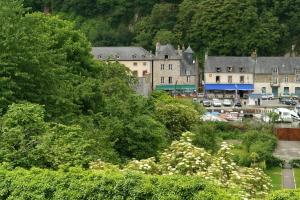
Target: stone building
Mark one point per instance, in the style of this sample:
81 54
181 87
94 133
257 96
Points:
277 75
228 77
245 75
175 70
137 59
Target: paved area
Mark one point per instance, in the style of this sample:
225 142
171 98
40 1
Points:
288 180
287 150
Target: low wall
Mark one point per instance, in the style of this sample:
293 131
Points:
290 134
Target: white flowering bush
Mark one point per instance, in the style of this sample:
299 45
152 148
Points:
147 166
183 158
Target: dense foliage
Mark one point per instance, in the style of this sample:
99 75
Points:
78 184
228 27
184 158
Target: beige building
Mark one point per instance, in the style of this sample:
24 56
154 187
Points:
138 60
175 70
277 75
229 76
246 75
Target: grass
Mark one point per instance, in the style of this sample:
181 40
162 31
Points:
297 176
276 177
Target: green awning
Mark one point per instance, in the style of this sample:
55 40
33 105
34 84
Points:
176 87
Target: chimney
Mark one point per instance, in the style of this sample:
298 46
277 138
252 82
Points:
293 54
157 48
254 55
179 51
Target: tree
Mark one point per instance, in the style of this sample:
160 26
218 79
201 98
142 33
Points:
234 28
21 128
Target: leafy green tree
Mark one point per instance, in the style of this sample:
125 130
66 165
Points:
164 37
232 27
21 128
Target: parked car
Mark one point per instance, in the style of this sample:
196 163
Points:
206 103
291 102
283 99
294 97
227 102
267 96
238 104
216 103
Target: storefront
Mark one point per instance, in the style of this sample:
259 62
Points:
229 90
177 88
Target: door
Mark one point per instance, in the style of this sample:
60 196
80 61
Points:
297 91
275 91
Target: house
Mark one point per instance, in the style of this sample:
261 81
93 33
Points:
175 70
277 75
228 77
137 59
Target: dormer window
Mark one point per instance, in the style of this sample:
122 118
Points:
99 56
143 56
242 69
275 70
166 56
229 69
218 69
133 56
117 56
297 71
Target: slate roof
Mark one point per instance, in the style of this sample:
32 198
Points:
121 53
285 65
223 62
263 65
167 49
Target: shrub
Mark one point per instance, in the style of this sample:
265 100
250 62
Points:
77 184
295 163
284 195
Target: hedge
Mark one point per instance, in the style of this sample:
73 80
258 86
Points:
77 183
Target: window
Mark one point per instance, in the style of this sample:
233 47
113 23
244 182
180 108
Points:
117 56
135 64
170 66
170 79
217 79
134 56
229 79
286 78
298 78
263 90
242 69
99 56
135 73
162 79
166 56
162 67
229 69
286 90
187 72
144 63
218 69
275 70
188 79
297 71
242 79
145 72
143 56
